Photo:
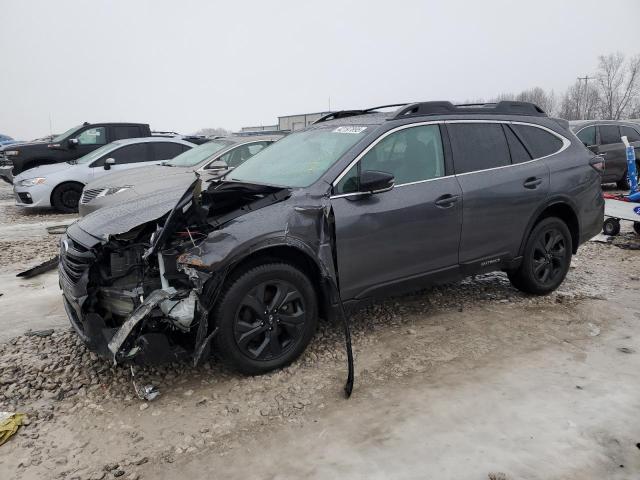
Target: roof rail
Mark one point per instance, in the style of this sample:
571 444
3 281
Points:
351 113
505 107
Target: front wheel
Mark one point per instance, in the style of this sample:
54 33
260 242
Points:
636 227
266 317
546 259
65 197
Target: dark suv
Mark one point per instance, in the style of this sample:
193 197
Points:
71 145
604 138
360 205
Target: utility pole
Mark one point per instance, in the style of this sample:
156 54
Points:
586 79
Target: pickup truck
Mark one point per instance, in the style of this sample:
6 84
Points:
70 145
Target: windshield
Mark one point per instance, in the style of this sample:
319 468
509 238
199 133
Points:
199 154
90 157
299 159
64 135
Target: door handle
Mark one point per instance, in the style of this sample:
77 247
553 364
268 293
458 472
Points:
532 182
446 201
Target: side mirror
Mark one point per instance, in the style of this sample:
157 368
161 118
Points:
217 165
73 142
374 181
108 162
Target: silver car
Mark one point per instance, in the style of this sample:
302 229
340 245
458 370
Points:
59 185
209 160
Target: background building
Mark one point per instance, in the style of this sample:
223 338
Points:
288 123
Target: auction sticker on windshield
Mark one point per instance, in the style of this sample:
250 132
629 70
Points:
349 129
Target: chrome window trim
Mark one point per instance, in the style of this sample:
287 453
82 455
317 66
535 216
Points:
566 143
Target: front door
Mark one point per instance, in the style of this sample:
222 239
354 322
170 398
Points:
88 140
126 157
413 229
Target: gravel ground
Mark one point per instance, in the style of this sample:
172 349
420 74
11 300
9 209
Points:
85 421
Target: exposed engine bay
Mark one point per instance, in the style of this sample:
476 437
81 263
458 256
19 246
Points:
142 302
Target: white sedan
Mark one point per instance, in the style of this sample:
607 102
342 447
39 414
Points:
59 185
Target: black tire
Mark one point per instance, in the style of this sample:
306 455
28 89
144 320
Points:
254 342
65 197
611 227
546 258
636 227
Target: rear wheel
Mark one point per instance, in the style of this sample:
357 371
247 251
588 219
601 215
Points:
546 259
266 318
611 227
636 227
65 197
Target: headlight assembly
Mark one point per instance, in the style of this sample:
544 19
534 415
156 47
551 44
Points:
30 182
11 153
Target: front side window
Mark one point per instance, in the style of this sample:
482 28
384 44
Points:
631 134
539 142
587 136
410 155
301 158
478 146
128 154
609 134
93 136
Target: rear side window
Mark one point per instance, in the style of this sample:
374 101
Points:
478 146
609 134
587 136
519 154
631 134
129 154
539 142
126 131
165 150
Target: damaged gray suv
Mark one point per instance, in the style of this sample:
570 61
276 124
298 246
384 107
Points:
362 204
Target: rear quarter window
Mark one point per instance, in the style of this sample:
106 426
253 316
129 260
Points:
539 142
631 134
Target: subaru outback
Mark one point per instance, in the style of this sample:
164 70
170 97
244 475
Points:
362 204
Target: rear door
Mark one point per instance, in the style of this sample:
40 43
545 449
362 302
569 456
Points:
407 232
610 146
502 186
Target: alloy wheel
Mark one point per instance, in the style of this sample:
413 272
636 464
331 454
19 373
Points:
549 256
269 320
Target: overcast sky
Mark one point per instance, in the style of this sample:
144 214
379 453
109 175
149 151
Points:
184 65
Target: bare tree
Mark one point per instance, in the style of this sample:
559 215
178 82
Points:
579 102
619 84
538 96
213 132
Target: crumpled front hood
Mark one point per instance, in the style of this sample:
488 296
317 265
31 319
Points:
122 217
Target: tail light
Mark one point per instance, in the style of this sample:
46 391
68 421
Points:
597 163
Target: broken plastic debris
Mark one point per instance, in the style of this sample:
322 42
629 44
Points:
146 392
9 424
41 268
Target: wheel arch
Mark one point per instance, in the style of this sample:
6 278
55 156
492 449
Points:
293 255
62 184
562 208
